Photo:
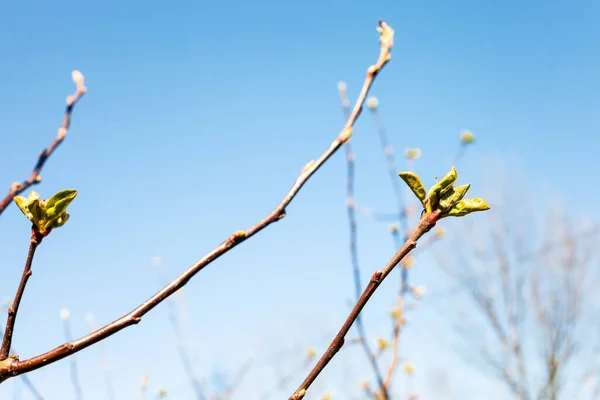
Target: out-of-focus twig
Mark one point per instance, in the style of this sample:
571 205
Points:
351 206
65 315
181 347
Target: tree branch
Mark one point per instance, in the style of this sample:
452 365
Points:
36 239
34 178
424 225
15 367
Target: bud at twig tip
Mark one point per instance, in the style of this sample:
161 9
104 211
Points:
65 314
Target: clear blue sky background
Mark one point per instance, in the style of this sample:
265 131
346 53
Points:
199 117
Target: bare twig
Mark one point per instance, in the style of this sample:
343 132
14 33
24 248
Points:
398 323
424 225
401 217
143 387
36 239
65 315
181 348
391 169
104 365
16 367
235 383
351 210
26 381
29 385
35 178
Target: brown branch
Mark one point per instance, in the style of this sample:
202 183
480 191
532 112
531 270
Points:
16 367
36 239
35 178
26 381
424 225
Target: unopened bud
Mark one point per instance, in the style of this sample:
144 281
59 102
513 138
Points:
65 314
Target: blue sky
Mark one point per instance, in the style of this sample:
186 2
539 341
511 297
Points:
199 117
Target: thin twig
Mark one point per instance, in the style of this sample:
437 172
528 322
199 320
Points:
401 217
351 211
424 225
16 367
26 381
104 365
143 388
181 348
283 381
73 364
460 153
35 178
398 323
36 239
235 383
391 168
29 385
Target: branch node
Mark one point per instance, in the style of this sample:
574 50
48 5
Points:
237 237
299 395
376 278
281 215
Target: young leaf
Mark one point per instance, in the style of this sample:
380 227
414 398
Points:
414 183
58 203
468 206
22 204
453 195
33 196
57 222
36 209
444 184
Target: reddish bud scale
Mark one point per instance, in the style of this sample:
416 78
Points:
376 276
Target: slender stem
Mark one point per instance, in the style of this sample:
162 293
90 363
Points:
183 352
36 239
235 383
351 211
26 381
402 218
424 225
73 365
16 367
35 178
391 166
104 365
460 153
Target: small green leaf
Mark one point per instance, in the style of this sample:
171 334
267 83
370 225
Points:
58 203
444 184
35 207
414 183
33 196
468 206
57 222
22 204
453 195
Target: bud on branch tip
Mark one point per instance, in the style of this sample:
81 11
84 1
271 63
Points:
46 215
443 197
